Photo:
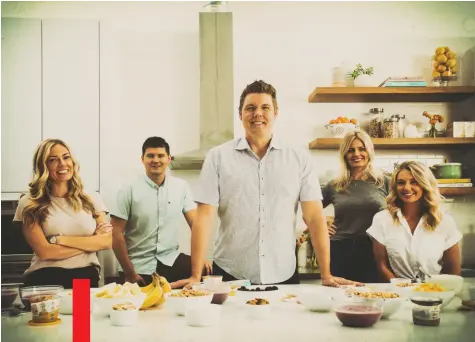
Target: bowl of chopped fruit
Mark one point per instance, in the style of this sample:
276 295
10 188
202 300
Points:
124 314
433 290
179 301
258 308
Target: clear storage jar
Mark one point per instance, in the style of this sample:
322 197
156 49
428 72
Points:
375 124
391 128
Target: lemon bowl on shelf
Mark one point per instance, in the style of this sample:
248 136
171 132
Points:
339 130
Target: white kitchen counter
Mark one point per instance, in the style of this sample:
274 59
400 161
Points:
288 322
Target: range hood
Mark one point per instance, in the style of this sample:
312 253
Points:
216 88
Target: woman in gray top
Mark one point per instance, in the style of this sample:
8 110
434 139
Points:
357 195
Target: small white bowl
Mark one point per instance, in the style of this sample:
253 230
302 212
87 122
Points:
317 302
203 315
105 304
258 311
124 318
179 305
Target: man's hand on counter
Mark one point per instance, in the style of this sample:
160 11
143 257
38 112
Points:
338 281
185 283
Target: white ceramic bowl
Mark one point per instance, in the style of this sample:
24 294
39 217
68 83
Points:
67 301
203 315
105 304
179 305
315 301
124 318
339 130
391 306
446 296
449 281
258 311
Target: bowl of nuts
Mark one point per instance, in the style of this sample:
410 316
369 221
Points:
179 301
391 301
258 308
245 293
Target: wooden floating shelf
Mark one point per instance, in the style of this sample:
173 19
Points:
457 191
382 94
396 143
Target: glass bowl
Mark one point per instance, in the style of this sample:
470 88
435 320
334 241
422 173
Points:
27 292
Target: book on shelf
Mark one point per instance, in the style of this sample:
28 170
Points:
455 180
455 185
404 82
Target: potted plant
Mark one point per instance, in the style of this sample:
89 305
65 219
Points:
362 77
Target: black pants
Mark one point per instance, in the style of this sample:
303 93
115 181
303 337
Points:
227 277
62 276
354 259
181 269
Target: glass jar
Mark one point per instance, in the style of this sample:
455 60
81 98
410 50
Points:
426 311
375 124
391 128
401 123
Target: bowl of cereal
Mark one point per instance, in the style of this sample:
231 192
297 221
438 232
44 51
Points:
124 314
258 308
179 301
391 301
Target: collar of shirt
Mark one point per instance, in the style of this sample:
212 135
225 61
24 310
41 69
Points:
402 219
154 185
243 144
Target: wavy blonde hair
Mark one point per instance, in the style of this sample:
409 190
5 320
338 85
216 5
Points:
37 210
430 199
370 173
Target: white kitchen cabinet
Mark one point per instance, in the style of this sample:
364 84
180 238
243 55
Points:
21 100
71 90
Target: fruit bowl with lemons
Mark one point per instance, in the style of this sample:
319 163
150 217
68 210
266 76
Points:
444 65
340 126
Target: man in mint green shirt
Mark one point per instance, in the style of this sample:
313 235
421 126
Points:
147 217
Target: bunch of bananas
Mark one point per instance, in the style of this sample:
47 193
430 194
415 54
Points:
155 291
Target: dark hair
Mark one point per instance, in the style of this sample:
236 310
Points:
258 87
154 142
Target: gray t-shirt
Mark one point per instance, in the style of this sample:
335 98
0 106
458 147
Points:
355 209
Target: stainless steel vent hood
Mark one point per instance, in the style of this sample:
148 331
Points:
216 88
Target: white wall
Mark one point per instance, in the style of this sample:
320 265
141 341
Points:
150 66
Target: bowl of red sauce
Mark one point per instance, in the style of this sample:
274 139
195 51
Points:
359 314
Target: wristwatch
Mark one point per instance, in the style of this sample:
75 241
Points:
52 239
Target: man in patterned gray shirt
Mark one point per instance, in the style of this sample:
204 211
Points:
256 183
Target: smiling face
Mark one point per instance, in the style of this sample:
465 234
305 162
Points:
357 156
60 164
156 161
408 189
258 115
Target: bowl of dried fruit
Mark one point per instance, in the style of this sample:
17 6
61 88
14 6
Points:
258 308
179 301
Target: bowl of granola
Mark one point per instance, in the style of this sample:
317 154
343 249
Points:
179 301
124 314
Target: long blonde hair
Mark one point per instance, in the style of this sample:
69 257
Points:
370 173
40 187
430 199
